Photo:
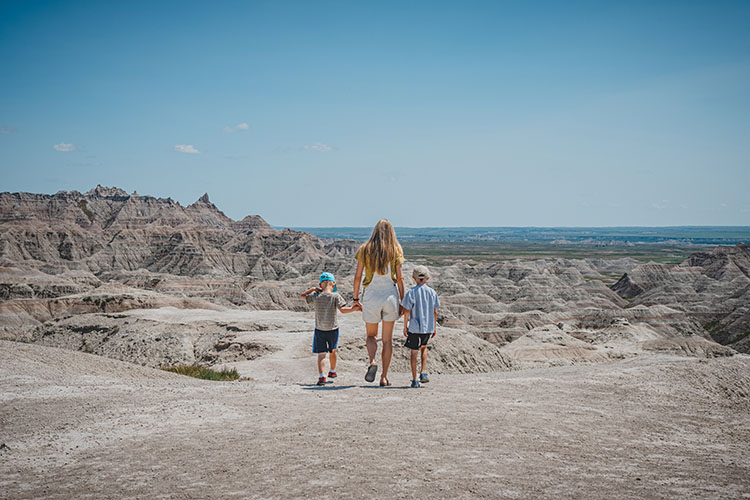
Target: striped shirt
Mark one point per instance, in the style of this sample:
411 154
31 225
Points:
326 309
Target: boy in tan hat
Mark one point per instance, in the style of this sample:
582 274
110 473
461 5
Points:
420 310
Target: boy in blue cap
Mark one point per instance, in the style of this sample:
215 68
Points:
326 336
420 310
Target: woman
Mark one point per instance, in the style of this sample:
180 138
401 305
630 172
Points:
380 259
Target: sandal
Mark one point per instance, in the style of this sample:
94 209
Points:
372 370
386 383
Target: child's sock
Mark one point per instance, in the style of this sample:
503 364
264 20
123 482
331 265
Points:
322 375
333 371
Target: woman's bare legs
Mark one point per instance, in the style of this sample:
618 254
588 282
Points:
372 341
387 348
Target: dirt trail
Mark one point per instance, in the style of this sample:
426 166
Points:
293 362
79 426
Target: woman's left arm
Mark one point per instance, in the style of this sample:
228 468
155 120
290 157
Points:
400 283
358 280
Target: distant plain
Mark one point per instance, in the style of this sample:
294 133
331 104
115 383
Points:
443 245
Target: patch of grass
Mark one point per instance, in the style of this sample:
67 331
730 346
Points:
712 326
204 373
82 204
606 278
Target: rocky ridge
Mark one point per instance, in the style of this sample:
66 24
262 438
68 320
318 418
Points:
107 230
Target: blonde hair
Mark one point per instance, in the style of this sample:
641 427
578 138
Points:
382 248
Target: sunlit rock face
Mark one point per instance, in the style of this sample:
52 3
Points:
107 230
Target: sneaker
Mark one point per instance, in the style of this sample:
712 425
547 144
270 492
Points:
424 378
415 384
331 374
321 381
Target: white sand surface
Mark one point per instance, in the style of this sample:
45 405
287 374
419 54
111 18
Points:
75 425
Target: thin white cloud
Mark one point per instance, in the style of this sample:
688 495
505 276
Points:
319 147
186 148
7 130
234 128
64 147
660 205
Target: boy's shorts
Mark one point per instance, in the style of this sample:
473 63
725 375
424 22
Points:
325 341
416 340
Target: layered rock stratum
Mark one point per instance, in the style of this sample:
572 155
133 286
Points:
81 270
107 230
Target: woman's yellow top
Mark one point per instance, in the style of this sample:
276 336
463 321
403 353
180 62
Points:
369 272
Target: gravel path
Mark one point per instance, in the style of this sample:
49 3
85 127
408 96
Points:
74 425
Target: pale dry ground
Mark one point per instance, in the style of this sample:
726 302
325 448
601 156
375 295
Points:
76 425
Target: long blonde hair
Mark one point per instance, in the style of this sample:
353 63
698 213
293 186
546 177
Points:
382 248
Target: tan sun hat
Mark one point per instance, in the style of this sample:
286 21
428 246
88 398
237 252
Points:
421 272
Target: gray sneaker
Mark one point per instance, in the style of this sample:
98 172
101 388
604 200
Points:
424 378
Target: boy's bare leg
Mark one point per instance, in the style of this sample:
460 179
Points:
333 357
372 341
321 362
414 364
387 347
424 358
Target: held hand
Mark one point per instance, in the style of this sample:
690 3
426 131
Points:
406 331
433 334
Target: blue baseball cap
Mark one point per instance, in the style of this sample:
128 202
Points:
328 277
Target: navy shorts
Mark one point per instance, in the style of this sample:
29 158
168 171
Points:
325 341
417 340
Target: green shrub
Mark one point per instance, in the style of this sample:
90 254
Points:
204 373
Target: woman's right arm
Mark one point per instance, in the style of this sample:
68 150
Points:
357 280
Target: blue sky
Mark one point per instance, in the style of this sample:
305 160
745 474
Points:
319 113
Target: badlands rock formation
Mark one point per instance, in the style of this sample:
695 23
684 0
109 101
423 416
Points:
710 288
706 298
107 230
81 271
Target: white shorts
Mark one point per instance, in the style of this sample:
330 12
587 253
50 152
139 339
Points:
380 304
